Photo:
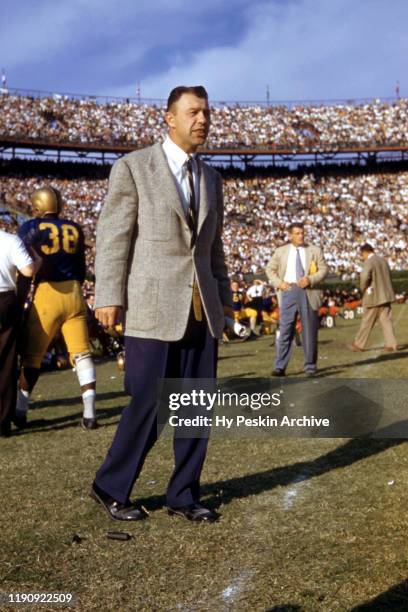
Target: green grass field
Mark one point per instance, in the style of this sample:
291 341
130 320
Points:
307 524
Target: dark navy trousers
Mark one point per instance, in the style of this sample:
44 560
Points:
147 361
295 301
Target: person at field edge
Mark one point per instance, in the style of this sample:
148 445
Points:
378 295
160 263
14 260
294 270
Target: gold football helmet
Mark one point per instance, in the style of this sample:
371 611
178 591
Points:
46 201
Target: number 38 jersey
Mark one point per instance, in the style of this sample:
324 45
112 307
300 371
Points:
61 245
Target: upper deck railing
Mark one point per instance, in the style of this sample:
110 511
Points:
160 102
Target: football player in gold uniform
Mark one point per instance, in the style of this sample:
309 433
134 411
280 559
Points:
58 303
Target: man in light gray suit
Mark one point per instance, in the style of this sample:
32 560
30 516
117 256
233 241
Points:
160 265
294 270
378 294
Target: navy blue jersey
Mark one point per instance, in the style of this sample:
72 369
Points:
237 301
267 303
60 244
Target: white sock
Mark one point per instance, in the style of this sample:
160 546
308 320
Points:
22 401
88 398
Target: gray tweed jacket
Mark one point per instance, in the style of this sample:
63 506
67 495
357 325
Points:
143 257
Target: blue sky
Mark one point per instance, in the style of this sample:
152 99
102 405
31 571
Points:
302 49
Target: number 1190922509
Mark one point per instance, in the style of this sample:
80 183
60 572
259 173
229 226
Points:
16 599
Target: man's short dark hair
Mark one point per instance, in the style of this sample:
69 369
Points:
296 224
366 248
177 92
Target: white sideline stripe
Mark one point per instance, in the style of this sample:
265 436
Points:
291 493
236 586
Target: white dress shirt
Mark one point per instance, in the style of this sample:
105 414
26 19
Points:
176 159
290 274
13 257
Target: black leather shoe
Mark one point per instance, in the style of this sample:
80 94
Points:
5 429
89 423
20 420
195 512
278 372
114 509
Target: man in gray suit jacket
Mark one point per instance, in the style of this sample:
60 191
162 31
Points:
294 270
160 266
378 294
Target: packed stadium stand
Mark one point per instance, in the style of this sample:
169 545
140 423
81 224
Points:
340 213
342 206
61 119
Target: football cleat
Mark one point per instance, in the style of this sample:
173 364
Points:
89 424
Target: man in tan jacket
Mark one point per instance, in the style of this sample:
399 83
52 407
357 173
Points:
378 294
294 270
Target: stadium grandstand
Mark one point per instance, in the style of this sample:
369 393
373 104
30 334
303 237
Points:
340 167
67 124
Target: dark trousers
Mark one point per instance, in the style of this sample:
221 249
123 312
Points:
293 302
147 361
8 357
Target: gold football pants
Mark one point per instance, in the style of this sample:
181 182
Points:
57 306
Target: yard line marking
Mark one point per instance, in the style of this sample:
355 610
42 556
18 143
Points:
236 586
291 493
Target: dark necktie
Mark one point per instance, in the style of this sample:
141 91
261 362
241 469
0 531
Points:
192 224
300 271
192 211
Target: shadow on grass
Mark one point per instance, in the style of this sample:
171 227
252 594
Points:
68 420
245 375
285 608
225 491
340 367
240 375
396 598
380 347
70 401
224 357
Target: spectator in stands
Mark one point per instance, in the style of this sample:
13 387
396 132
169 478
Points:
306 127
258 211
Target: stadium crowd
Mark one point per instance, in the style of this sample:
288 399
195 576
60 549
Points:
339 213
306 127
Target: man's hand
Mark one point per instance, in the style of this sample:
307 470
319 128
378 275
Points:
109 316
303 282
284 286
36 258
